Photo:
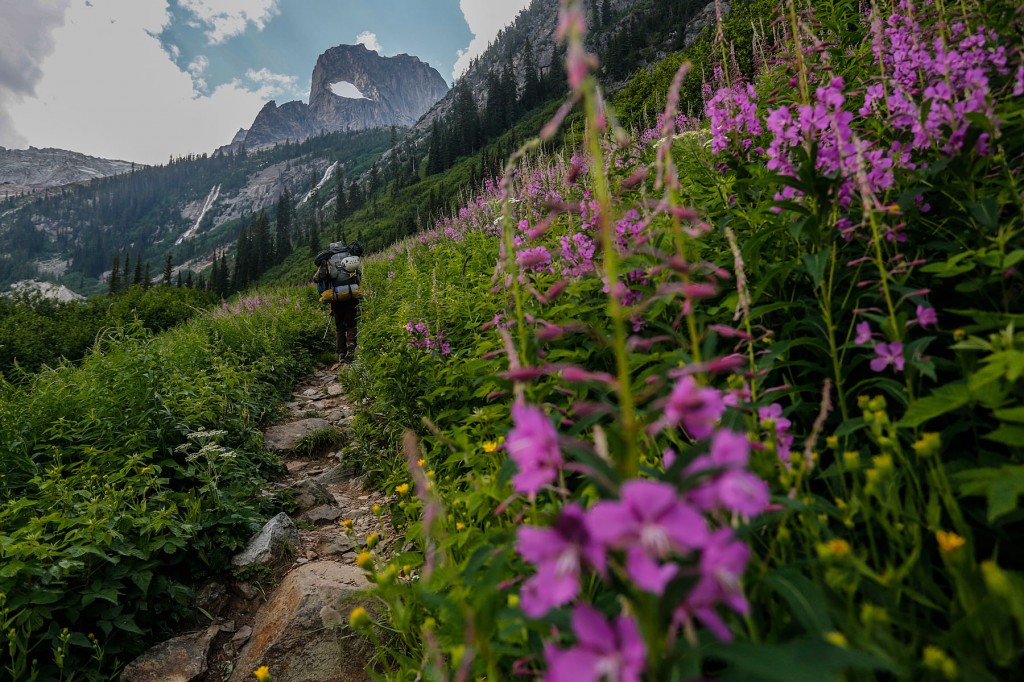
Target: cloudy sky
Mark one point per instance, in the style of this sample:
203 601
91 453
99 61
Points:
143 80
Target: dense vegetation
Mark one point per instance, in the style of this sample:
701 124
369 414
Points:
128 477
774 436
36 331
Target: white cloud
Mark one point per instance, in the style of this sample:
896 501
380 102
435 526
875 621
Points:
198 70
369 39
109 89
269 84
26 38
485 19
226 18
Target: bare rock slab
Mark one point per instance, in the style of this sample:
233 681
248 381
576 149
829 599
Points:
278 537
295 634
285 437
181 659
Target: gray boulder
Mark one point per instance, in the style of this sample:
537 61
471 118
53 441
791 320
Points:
298 633
285 437
278 537
181 659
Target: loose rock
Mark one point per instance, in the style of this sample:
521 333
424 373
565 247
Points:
277 538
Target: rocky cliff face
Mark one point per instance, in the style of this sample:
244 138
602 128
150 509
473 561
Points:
388 91
30 169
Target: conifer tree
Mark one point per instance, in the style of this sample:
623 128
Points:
168 269
146 279
115 274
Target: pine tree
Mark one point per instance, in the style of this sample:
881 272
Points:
283 232
531 85
137 275
168 269
115 274
126 281
146 279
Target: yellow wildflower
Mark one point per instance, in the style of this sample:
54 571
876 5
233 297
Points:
364 560
262 673
936 659
421 463
372 539
490 446
928 444
839 547
359 617
832 442
959 334
402 489
948 541
460 526
347 523
513 600
836 639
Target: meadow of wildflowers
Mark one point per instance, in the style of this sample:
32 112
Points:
756 377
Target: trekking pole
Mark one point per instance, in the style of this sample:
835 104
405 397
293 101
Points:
328 328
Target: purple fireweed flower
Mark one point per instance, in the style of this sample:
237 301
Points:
772 414
888 354
734 488
604 652
652 523
863 333
533 446
926 316
559 553
721 569
696 408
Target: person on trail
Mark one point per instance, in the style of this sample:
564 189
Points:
345 314
337 280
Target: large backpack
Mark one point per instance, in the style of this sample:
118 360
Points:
337 271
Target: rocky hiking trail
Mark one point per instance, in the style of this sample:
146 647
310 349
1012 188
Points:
290 592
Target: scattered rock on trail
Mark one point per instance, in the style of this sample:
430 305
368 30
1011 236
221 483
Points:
310 494
286 437
181 659
277 537
325 513
295 634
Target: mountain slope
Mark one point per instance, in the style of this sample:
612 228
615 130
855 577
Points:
26 170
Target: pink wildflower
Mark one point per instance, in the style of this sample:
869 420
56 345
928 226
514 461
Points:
559 553
609 652
533 446
888 354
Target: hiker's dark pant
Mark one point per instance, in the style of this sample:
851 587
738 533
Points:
344 313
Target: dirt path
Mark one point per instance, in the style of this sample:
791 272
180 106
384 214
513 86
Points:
335 513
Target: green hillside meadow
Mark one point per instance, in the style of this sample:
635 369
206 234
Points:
731 394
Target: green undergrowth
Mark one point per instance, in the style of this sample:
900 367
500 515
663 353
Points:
871 350
129 476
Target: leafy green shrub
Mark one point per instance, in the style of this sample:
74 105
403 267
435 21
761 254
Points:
118 473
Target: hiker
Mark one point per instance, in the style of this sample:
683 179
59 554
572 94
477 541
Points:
337 280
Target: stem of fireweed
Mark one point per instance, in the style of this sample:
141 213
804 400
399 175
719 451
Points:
628 461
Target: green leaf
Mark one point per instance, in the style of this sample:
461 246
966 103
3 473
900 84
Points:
126 622
1013 414
1007 435
942 400
805 599
802 660
1002 486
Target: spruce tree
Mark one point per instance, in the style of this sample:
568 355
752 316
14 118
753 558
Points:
115 274
168 269
146 280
